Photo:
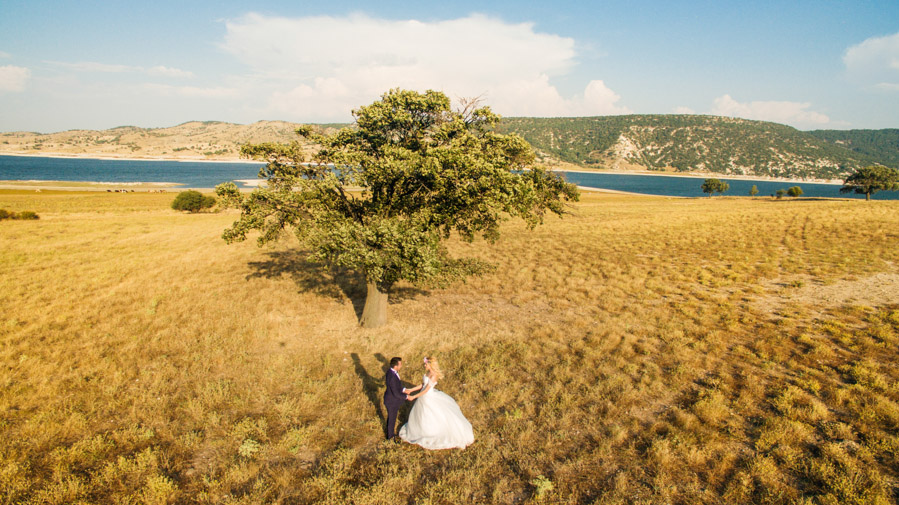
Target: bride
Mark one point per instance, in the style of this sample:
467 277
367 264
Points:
436 422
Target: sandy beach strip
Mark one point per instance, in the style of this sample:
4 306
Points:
629 193
38 185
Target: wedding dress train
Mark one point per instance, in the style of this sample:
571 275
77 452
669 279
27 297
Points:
436 422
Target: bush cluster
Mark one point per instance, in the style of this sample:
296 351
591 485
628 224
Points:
192 201
793 191
25 214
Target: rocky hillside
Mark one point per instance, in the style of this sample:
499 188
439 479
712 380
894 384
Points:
673 143
688 143
208 140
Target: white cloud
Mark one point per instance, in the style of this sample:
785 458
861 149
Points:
680 109
599 99
319 68
875 62
192 91
4 54
13 78
792 113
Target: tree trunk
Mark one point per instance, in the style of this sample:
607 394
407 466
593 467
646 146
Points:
374 314
868 196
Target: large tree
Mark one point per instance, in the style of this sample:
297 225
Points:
869 180
379 197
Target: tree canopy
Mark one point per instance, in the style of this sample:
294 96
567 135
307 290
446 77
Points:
380 196
869 180
714 186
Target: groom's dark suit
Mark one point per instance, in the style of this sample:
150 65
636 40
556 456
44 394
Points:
394 398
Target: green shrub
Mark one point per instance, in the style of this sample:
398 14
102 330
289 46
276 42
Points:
780 193
794 191
192 201
25 214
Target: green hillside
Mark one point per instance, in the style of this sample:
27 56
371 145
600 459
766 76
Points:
688 143
880 144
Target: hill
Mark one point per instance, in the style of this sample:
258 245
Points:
882 145
671 143
689 143
207 140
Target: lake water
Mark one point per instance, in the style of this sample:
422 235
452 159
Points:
190 174
195 174
692 186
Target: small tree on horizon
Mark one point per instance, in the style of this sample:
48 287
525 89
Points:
714 186
871 179
754 190
794 191
420 172
780 193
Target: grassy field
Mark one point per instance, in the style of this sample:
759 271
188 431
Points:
640 350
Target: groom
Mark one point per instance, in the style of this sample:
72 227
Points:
395 396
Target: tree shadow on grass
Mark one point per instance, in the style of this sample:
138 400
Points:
315 277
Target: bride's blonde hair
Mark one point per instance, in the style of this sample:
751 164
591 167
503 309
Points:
435 368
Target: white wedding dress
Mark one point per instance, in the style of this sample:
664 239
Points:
436 422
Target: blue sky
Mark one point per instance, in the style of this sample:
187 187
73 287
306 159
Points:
96 65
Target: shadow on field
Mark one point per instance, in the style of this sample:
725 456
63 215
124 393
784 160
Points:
337 283
374 390
371 385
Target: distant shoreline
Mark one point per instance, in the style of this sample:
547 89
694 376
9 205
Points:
108 187
695 175
709 175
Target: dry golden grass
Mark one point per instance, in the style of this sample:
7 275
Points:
623 354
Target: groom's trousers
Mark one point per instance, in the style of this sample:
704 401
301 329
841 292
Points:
392 411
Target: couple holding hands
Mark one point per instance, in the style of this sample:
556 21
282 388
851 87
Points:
435 421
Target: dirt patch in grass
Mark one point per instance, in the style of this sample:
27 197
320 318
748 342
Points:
870 291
